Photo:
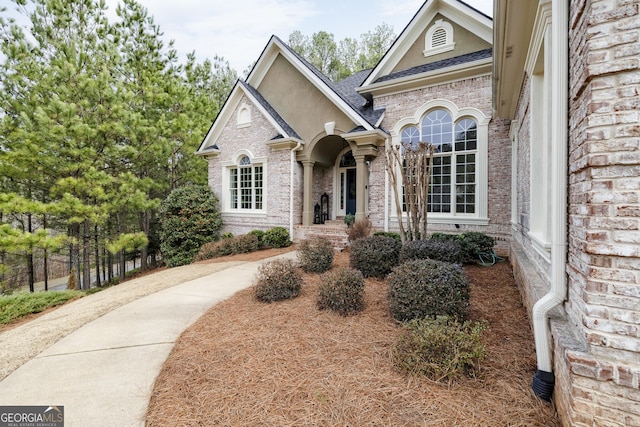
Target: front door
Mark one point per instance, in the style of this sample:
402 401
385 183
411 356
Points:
346 185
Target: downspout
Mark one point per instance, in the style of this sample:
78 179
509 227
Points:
544 379
292 187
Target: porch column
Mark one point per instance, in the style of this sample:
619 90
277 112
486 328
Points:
307 186
361 175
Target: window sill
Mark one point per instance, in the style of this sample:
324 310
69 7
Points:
540 245
460 220
244 214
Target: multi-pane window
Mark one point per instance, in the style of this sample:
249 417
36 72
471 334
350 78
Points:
246 185
452 186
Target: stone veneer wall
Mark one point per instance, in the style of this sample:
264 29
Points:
596 334
473 92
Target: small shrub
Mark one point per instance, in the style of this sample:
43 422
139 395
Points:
388 234
349 219
227 235
260 235
341 290
375 256
475 243
439 250
359 229
72 283
215 249
277 237
440 349
315 255
245 244
472 243
278 280
426 288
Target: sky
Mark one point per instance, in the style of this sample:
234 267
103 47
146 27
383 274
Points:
239 30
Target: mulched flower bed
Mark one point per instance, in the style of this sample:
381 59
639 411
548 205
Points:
246 363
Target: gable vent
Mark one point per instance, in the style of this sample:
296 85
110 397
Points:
439 38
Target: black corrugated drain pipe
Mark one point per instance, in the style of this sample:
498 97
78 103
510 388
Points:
542 385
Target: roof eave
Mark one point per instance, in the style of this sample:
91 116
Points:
429 78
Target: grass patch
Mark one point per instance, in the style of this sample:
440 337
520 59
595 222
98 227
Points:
14 306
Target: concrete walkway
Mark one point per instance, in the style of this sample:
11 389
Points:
103 373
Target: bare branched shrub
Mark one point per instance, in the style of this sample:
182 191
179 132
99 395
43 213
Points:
359 229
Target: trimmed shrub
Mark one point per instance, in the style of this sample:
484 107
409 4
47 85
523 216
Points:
245 244
475 243
341 290
315 255
388 234
227 235
472 243
260 235
277 237
427 288
189 218
215 249
441 349
359 229
444 250
375 256
278 280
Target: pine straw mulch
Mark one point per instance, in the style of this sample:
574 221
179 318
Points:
246 363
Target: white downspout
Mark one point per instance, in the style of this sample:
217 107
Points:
292 187
544 380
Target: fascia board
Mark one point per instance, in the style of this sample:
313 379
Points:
430 78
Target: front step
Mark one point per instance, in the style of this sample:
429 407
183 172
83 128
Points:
334 231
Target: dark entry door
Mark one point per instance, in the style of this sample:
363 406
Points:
351 192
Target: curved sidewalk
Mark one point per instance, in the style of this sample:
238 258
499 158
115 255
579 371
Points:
103 373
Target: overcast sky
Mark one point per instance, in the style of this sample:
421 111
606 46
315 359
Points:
239 30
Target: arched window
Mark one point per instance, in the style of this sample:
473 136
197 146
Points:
246 185
453 181
439 38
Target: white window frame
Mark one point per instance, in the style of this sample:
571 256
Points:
234 164
429 48
538 68
480 217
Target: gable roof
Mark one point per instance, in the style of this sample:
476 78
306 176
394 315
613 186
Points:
454 10
343 96
240 89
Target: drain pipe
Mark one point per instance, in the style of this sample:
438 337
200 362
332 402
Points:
544 379
292 187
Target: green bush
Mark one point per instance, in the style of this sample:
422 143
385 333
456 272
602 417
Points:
349 219
315 255
189 218
439 250
277 237
245 244
475 243
388 234
227 235
260 235
278 280
375 256
359 229
341 290
472 243
426 288
441 349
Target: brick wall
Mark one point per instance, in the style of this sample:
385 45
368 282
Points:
278 170
469 93
596 334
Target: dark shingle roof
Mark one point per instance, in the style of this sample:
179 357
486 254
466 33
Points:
445 63
272 112
345 89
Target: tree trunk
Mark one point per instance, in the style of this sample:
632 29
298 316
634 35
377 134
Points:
30 269
86 257
74 252
97 255
46 258
144 253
